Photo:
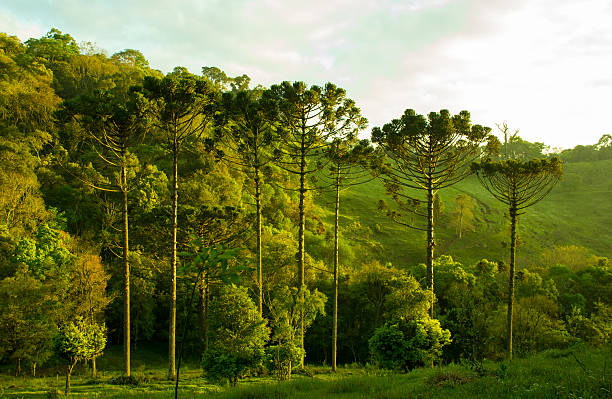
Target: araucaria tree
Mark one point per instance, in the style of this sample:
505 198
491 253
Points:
350 163
427 154
245 127
183 105
518 185
311 119
114 124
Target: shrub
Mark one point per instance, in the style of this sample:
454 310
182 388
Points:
408 343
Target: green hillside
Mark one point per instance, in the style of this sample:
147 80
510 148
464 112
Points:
577 212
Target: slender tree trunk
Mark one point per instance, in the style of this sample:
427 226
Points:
18 369
206 303
460 221
336 265
126 266
430 246
94 371
172 316
302 227
259 270
202 316
68 373
34 369
513 221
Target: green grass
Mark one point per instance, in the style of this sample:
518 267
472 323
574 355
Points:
576 212
580 372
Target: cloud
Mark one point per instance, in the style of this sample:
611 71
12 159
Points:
541 65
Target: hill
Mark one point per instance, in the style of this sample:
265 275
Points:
577 212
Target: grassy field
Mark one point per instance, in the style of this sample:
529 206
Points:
580 372
577 212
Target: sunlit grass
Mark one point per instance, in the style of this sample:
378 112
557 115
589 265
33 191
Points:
571 373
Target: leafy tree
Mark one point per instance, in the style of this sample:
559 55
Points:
518 185
291 310
79 340
311 117
428 154
463 213
28 313
87 291
572 256
238 335
596 330
223 82
131 57
408 344
183 105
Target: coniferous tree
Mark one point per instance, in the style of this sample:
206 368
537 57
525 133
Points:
311 118
428 154
518 185
114 124
246 128
183 105
350 164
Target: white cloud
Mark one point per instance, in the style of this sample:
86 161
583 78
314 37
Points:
544 66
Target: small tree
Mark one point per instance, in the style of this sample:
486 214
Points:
238 335
290 311
463 213
79 340
519 185
408 344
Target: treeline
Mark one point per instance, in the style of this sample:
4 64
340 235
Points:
186 210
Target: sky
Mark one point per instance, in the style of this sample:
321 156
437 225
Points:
542 66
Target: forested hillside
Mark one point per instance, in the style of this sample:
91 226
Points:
194 212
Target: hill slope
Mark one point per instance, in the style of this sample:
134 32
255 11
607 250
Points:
577 212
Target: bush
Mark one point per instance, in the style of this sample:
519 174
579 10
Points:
408 344
279 359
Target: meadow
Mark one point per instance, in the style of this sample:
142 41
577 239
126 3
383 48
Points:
576 372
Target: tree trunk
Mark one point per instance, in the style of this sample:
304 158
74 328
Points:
205 322
259 270
126 266
513 221
201 316
460 221
300 277
336 265
68 373
94 371
34 369
18 369
172 316
430 246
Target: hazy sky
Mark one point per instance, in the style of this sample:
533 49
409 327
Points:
544 66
